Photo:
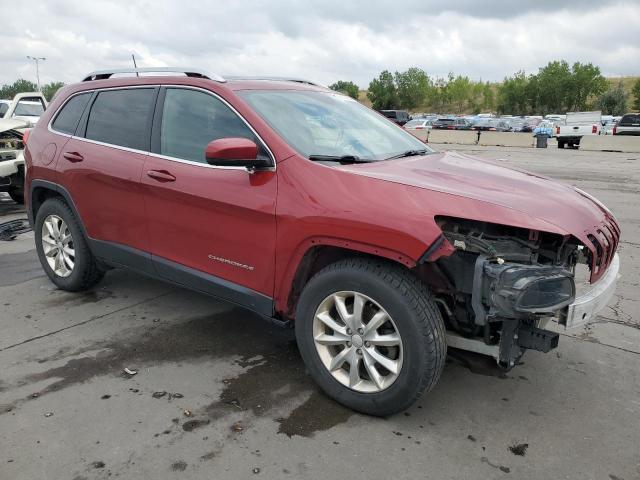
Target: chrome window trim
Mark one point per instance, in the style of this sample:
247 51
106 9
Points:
272 168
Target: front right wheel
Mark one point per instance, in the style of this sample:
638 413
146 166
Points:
371 335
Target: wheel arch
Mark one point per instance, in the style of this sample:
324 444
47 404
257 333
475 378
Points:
316 253
42 190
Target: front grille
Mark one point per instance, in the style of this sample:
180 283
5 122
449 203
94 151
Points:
605 241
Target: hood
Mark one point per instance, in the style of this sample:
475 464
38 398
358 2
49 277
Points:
473 178
12 124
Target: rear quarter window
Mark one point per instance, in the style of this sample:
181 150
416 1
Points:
67 119
122 117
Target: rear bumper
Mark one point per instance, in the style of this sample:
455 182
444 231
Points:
586 306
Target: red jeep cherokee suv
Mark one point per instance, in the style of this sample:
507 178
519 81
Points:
306 207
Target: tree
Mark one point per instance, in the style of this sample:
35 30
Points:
554 88
586 82
488 98
636 93
50 89
382 92
412 87
512 95
19 86
613 101
459 89
346 87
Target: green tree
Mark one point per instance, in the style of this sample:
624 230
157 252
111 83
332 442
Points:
488 98
512 95
460 90
382 92
50 89
636 94
19 86
586 83
554 88
613 101
413 87
346 87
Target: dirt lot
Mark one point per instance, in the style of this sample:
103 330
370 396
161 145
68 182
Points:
220 394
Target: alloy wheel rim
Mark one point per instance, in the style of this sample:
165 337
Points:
58 246
358 342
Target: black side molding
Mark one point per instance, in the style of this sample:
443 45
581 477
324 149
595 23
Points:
432 248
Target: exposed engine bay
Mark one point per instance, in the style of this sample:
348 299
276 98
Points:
502 283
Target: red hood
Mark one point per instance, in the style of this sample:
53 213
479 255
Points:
470 177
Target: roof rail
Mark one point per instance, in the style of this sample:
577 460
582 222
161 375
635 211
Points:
189 72
281 79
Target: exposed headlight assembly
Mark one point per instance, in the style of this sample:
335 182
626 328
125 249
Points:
512 290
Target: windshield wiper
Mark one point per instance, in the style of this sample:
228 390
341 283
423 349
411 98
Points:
338 158
409 153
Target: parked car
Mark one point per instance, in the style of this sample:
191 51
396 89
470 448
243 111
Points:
577 125
452 124
515 124
380 251
530 124
492 125
12 159
418 124
24 106
398 116
15 117
444 124
629 124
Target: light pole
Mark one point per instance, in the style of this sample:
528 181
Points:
37 60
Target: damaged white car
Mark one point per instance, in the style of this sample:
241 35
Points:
16 116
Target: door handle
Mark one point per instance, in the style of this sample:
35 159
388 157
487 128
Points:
73 156
161 175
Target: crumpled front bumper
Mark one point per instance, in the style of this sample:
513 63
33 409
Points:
587 305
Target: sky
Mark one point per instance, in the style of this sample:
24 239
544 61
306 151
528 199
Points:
323 41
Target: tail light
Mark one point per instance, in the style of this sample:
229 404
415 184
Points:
613 132
558 130
594 129
25 136
419 128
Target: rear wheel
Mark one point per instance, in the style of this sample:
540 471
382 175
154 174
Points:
62 248
560 143
370 335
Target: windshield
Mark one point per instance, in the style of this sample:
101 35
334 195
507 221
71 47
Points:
415 123
30 109
324 124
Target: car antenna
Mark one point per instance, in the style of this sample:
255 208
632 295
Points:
133 57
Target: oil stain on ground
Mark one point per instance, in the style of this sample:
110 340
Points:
274 373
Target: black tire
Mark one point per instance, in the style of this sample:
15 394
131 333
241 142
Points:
560 144
86 272
417 318
17 195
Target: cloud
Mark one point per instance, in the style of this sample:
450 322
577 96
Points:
322 40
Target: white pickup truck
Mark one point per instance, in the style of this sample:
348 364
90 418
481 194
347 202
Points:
15 117
577 125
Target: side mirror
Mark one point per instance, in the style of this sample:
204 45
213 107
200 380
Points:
234 152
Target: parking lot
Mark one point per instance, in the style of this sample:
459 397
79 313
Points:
219 393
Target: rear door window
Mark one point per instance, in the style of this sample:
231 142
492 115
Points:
630 120
3 109
191 119
67 119
122 117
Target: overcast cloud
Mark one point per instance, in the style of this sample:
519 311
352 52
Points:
324 41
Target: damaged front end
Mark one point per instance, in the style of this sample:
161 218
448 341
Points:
501 285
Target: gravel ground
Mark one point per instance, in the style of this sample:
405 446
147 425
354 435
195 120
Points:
220 394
